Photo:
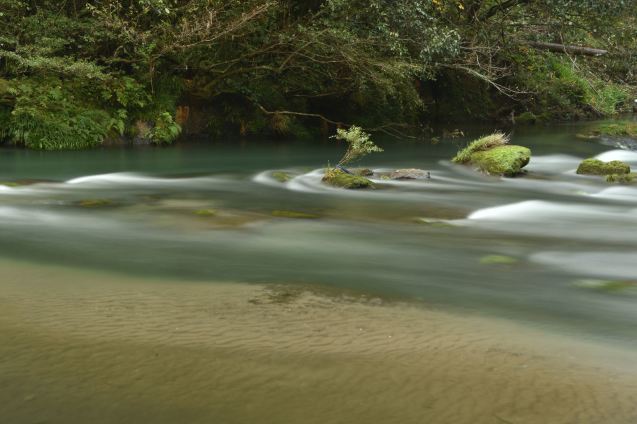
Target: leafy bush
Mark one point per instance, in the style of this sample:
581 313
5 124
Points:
165 129
358 144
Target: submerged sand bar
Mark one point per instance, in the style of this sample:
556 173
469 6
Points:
86 347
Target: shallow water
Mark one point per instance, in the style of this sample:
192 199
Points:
168 225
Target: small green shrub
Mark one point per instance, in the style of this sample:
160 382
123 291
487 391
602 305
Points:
358 142
165 130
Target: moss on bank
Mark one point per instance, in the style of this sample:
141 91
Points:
617 129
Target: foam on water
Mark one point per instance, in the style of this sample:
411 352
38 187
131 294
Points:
623 155
127 178
553 163
600 264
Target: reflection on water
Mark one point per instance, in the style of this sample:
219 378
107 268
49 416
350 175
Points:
218 213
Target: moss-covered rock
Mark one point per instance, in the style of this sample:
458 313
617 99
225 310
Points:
502 160
607 286
205 212
598 167
622 178
498 260
282 177
95 203
338 178
293 214
481 144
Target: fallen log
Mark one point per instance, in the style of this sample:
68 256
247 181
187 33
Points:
563 48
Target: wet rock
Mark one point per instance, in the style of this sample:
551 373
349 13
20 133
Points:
409 174
607 286
598 167
503 160
205 212
362 172
338 178
498 260
95 203
282 177
293 215
622 178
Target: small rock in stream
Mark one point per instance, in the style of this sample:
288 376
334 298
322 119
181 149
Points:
410 174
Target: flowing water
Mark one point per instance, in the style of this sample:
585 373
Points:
188 284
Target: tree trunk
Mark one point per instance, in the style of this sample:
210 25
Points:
562 48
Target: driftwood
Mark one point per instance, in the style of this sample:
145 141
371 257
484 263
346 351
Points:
562 48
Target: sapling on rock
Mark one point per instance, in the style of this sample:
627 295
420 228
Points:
359 144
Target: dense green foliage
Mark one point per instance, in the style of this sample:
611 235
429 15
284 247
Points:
77 73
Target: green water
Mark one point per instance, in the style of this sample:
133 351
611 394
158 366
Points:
210 212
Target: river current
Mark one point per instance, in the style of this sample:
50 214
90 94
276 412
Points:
552 252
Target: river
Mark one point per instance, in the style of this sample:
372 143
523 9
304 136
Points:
188 284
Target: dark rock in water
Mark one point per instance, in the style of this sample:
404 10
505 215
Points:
362 172
409 174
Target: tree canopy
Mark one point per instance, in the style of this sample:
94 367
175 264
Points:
75 73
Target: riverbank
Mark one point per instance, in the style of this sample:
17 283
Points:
82 346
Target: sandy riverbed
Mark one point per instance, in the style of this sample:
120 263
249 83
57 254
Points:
85 347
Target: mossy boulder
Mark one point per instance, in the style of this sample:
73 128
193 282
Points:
598 167
338 178
498 260
483 143
293 214
95 203
282 177
622 178
503 160
494 156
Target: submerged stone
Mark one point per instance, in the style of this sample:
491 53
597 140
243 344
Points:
362 172
498 260
608 286
502 160
205 212
282 177
598 167
293 214
622 178
409 174
95 203
338 178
